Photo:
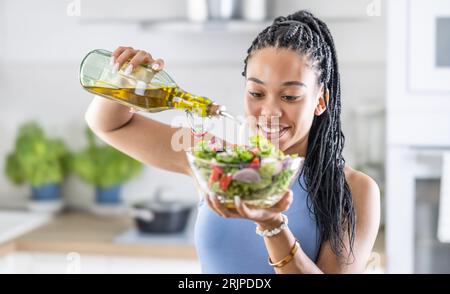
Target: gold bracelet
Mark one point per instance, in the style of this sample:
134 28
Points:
288 257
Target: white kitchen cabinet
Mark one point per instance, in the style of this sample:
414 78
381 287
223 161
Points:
128 265
59 263
4 265
418 122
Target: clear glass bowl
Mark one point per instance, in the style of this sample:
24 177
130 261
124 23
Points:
260 185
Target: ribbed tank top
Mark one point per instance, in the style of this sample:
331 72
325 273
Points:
231 246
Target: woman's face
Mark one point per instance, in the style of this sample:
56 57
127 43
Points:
282 96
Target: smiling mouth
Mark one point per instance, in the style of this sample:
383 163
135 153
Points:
273 132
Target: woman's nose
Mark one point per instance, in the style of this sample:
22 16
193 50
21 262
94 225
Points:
271 108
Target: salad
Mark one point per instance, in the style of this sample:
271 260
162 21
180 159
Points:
258 173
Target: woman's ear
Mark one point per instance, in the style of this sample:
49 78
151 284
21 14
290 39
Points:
322 102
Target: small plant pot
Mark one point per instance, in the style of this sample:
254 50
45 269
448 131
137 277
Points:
47 192
46 198
108 196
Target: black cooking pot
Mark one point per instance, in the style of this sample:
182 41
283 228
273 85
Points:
158 216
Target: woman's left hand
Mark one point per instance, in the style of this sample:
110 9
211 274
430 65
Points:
258 215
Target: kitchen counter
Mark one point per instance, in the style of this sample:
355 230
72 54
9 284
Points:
86 233
90 234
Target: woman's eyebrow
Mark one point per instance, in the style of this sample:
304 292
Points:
294 83
289 83
255 80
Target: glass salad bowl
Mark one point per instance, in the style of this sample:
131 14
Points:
259 174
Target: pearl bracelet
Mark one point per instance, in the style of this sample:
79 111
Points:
274 231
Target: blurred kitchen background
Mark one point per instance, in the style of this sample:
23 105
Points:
394 59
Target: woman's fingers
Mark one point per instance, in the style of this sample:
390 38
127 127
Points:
116 53
136 57
141 57
225 212
243 209
255 214
211 205
284 202
158 64
215 204
126 55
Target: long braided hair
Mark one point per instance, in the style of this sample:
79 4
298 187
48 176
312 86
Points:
329 195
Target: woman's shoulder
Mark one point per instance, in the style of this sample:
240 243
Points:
364 189
366 201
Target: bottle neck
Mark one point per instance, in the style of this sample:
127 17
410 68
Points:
202 106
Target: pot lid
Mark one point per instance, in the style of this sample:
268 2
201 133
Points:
158 204
162 206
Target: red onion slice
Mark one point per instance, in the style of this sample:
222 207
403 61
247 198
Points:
247 175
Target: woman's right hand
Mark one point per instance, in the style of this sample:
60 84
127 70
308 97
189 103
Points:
138 136
135 57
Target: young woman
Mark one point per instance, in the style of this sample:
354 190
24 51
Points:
291 73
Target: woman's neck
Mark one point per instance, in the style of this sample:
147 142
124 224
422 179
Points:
300 147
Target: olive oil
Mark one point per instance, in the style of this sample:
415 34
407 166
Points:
158 99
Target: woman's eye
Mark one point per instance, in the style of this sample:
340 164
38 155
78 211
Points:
255 94
290 98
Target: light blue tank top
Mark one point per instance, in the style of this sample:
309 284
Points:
231 246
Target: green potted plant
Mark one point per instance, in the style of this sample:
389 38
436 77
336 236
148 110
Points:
105 168
41 162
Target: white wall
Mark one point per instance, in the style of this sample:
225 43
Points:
40 51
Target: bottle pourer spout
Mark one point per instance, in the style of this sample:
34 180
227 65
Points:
222 109
215 110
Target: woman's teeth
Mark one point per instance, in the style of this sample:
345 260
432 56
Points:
273 131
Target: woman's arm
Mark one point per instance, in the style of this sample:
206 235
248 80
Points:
366 197
143 139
